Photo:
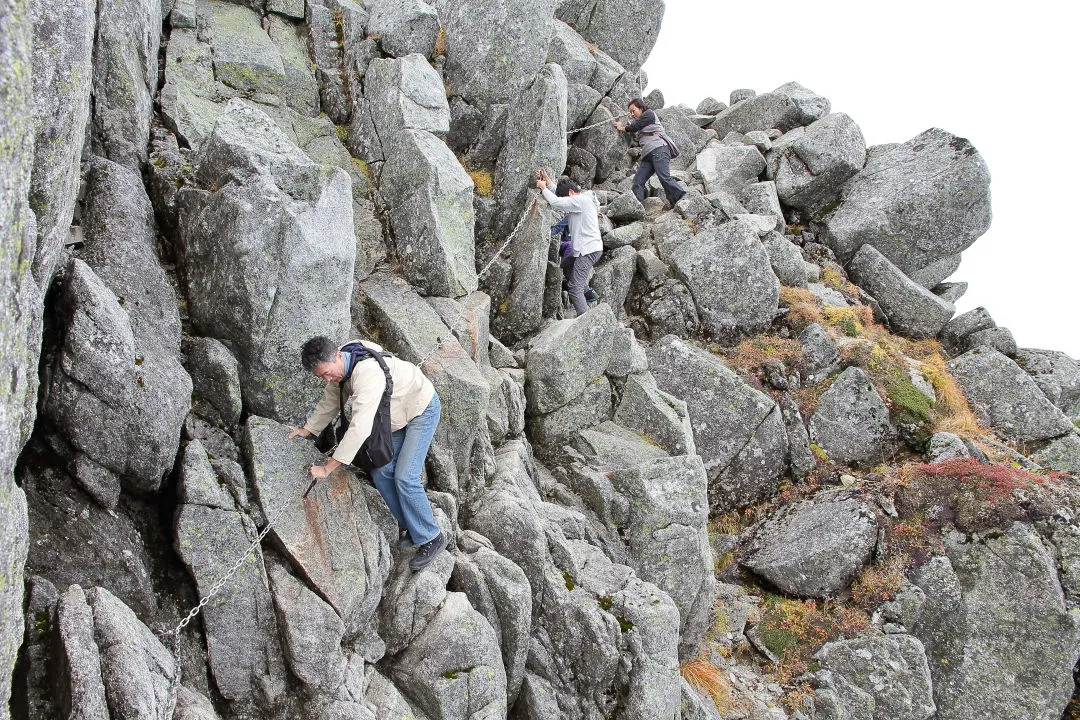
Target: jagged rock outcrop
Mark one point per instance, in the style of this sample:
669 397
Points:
731 278
19 304
813 549
912 309
1005 397
738 431
980 662
852 423
809 165
431 213
1056 374
916 202
262 249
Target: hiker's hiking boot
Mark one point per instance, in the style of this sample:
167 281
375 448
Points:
426 553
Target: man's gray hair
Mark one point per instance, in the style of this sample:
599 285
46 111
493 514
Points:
319 349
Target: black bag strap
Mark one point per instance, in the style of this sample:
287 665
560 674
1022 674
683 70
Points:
360 352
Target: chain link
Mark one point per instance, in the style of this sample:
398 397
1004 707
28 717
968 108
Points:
216 588
602 122
528 213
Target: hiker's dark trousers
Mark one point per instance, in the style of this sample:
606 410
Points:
658 161
576 270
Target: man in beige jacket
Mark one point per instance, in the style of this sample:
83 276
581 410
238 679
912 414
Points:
351 371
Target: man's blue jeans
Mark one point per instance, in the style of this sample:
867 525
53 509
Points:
399 480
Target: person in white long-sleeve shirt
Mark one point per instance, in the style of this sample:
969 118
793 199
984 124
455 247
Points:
583 211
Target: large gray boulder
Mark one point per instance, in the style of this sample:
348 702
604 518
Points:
916 202
813 548
62 76
301 89
730 276
729 167
1004 397
311 633
912 309
811 165
571 52
118 402
783 109
535 138
688 137
266 236
516 283
1001 640
454 668
738 431
625 31
191 97
591 407
333 535
887 675
431 213
136 668
1056 374
494 47
603 142
120 245
957 330
1061 455
566 357
851 423
80 657
405 94
215 379
786 260
20 332
245 58
125 79
662 507
404 27
499 590
242 632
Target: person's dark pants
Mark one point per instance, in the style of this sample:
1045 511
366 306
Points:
576 271
658 161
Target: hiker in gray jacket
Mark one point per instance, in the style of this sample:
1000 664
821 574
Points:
583 210
657 150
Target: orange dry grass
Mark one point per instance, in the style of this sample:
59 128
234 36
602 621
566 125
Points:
953 412
754 352
878 583
805 307
483 181
710 679
440 44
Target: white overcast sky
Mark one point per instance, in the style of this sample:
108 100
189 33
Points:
1003 75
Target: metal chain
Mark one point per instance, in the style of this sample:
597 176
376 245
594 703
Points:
205 600
602 122
528 213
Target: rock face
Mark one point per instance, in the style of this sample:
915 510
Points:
431 213
813 549
567 357
125 79
916 202
885 675
283 226
810 165
494 47
405 94
120 408
625 31
1056 374
404 27
1004 396
851 422
912 309
535 138
63 74
731 278
739 431
999 637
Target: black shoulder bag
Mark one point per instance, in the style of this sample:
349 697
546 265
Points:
378 449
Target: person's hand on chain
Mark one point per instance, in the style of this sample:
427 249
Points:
321 471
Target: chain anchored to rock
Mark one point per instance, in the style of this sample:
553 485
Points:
216 588
602 122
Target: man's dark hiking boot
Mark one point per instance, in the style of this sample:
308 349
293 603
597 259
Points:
427 552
